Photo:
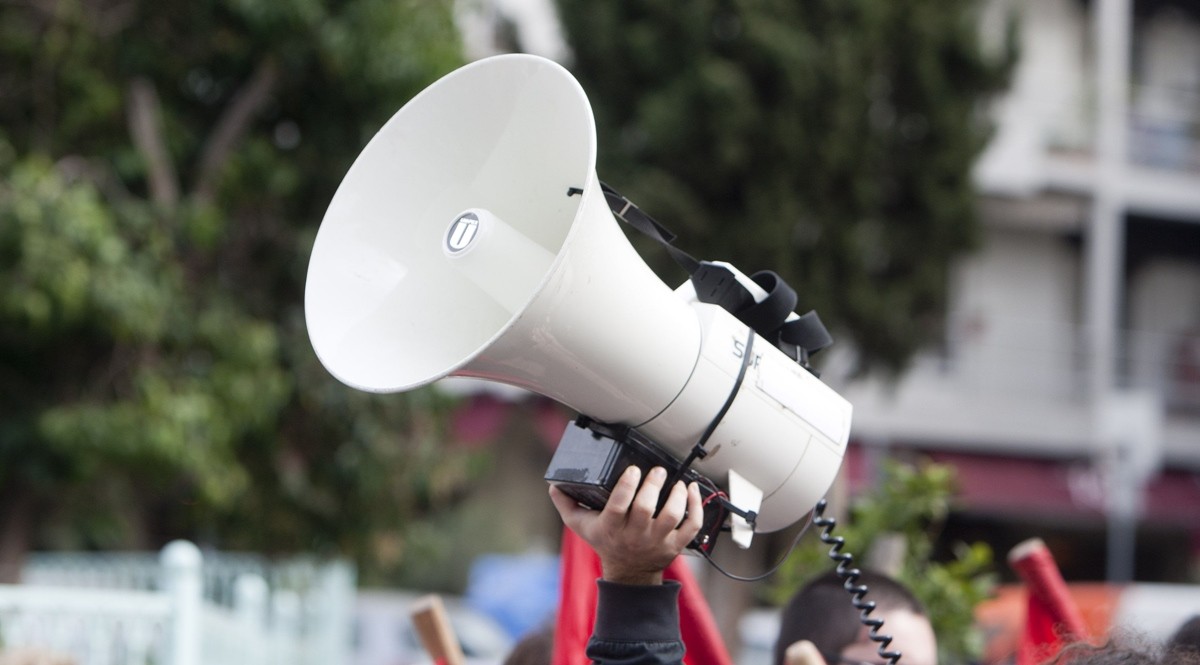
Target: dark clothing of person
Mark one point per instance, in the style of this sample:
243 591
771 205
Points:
637 625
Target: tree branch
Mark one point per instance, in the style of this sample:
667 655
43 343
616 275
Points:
246 103
145 125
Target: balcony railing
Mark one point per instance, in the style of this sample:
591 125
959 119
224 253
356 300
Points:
1163 127
1049 360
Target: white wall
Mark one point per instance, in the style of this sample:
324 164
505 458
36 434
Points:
1015 313
1046 106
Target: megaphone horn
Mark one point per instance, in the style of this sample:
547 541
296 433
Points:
473 238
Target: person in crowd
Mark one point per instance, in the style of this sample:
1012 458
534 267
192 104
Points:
822 613
1186 637
535 648
637 613
1183 648
1116 652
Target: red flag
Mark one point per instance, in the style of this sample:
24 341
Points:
1052 619
577 609
580 568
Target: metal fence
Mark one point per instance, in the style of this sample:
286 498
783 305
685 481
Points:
180 607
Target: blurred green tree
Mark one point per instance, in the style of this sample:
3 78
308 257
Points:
163 168
828 140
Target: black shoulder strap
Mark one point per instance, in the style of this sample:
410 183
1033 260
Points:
716 284
626 211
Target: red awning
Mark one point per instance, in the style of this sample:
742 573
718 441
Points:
1053 488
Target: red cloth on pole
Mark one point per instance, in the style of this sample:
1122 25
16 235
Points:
580 568
577 609
1052 619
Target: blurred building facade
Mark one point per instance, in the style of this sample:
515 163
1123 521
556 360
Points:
1067 387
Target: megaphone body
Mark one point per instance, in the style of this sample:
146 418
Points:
471 238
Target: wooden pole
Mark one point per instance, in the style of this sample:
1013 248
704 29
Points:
437 635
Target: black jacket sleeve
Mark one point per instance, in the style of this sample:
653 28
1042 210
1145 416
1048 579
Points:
637 625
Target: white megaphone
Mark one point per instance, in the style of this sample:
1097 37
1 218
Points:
471 238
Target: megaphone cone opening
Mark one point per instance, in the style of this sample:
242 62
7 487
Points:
509 135
498 259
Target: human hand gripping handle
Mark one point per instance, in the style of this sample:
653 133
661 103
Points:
635 545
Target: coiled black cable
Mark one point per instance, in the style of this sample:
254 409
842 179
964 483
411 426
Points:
849 576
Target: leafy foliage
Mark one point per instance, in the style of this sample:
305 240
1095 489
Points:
910 503
828 140
163 168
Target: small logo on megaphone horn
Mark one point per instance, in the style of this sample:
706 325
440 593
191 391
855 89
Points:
462 232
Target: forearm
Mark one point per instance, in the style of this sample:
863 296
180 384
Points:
637 625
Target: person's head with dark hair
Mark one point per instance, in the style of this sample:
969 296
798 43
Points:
1187 637
1109 653
1124 650
535 648
822 612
